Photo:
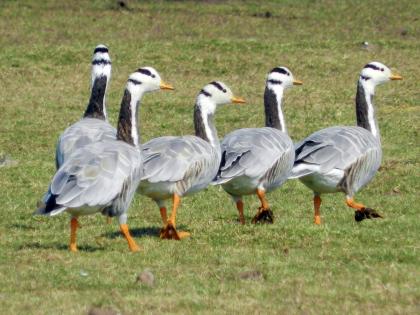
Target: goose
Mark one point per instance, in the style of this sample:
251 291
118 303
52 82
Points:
103 176
345 159
178 166
258 160
94 125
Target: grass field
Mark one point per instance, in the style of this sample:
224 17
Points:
290 267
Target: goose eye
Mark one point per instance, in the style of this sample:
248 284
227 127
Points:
224 90
153 76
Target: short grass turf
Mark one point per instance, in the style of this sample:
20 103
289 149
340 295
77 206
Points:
290 267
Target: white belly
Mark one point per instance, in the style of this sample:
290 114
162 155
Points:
324 182
86 210
242 185
156 191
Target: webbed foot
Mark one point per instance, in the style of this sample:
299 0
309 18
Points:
263 216
169 232
366 213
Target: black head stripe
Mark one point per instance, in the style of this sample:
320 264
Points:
217 84
280 70
274 81
101 50
101 62
204 92
369 65
146 72
364 78
136 82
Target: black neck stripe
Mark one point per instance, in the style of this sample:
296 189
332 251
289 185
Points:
101 62
146 72
217 84
100 49
204 92
274 81
134 81
280 70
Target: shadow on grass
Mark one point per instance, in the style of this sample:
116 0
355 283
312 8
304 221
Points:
83 248
141 232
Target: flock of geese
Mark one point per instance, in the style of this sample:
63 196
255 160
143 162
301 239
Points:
100 168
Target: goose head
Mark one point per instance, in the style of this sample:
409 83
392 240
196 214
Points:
101 62
218 93
281 77
147 79
377 73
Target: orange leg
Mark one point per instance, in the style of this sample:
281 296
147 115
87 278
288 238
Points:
263 200
131 243
264 214
362 212
169 231
240 206
176 200
317 205
163 215
73 228
352 204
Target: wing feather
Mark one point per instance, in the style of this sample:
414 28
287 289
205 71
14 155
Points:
171 159
251 152
80 134
94 175
332 148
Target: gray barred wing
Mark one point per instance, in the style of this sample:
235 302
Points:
185 160
85 131
95 175
253 152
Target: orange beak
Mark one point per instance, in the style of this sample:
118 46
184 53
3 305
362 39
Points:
166 86
237 100
395 77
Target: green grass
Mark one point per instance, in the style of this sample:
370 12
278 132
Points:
340 267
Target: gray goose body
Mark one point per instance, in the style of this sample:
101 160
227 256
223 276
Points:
255 158
177 166
345 159
258 160
338 159
93 126
103 176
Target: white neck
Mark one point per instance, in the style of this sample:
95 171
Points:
100 70
369 110
134 128
279 90
204 120
128 129
274 116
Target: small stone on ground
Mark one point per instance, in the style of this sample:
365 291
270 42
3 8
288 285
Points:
102 311
147 278
6 160
251 275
